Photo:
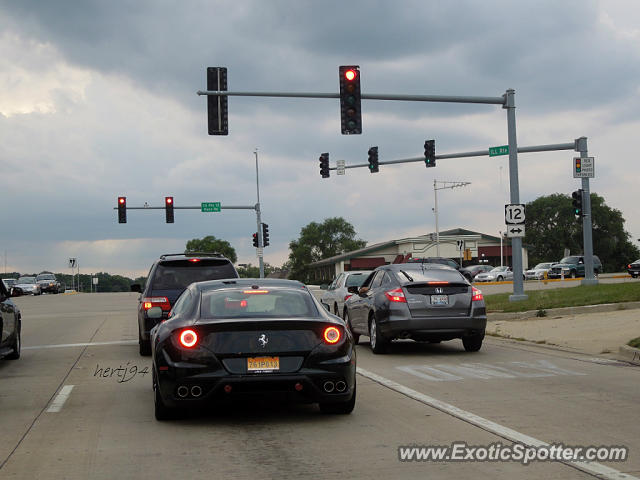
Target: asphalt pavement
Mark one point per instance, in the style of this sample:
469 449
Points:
64 414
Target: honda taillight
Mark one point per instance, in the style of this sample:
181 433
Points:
331 335
476 295
162 302
396 295
188 338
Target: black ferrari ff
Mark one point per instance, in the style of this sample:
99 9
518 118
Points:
226 339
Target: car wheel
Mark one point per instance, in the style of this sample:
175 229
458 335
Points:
499 279
15 348
473 343
343 408
573 274
144 346
377 342
161 411
347 319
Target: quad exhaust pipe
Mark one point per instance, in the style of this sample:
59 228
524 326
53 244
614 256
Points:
183 391
328 386
196 391
341 386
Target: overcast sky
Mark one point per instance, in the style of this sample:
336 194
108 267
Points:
98 99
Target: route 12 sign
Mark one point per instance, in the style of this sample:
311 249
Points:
514 214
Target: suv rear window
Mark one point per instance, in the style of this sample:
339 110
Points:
178 274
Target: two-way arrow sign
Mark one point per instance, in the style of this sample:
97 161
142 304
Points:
515 231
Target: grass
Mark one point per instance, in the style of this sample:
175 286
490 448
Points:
541 300
635 343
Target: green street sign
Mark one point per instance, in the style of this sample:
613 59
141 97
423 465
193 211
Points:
210 207
497 151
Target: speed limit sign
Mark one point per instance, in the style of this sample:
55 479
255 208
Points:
514 214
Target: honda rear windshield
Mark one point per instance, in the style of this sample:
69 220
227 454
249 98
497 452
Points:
257 303
179 274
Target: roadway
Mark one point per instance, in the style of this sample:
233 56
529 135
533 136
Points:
63 415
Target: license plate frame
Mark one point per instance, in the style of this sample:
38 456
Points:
439 300
263 364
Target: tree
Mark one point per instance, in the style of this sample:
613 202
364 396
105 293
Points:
211 244
551 226
250 271
321 240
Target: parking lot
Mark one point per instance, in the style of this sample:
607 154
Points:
81 397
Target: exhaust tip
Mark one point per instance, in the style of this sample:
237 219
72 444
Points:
196 391
328 387
341 386
183 391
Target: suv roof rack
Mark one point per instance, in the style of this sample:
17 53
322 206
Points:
192 254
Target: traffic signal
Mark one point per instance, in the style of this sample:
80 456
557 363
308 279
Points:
577 203
324 165
373 160
430 153
350 113
265 235
122 209
217 110
255 239
168 209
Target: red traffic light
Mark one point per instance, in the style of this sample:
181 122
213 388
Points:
121 200
350 75
168 200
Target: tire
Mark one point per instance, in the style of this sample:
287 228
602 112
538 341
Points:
473 343
343 408
378 344
161 411
144 346
15 348
573 274
347 320
499 279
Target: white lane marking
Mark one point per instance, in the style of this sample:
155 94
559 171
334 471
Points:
591 468
58 401
485 371
91 344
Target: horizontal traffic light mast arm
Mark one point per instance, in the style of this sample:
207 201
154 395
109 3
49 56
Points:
477 153
365 96
222 207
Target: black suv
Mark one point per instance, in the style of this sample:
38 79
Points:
168 277
10 324
572 267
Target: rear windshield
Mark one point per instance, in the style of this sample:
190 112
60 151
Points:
356 279
252 303
46 276
179 274
27 280
430 275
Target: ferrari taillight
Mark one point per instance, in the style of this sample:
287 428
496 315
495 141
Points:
162 302
331 335
188 338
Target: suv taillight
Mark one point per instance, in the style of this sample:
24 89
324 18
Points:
476 295
162 302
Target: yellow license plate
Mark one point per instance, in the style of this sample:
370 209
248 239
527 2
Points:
263 364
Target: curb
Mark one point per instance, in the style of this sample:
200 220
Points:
629 354
605 307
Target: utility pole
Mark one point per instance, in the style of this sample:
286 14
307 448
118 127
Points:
435 210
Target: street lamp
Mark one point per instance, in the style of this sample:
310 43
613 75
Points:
435 209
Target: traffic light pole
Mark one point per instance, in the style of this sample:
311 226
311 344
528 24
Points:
259 221
587 236
507 101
